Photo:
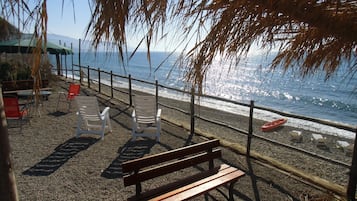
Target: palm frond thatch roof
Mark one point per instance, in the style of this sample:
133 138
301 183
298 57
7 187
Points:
309 34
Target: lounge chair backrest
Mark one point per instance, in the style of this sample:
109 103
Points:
145 109
73 90
88 107
12 107
146 118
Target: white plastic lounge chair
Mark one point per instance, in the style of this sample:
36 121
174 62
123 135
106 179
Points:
146 118
319 140
342 144
90 120
296 136
345 146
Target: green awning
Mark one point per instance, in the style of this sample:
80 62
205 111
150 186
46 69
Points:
27 45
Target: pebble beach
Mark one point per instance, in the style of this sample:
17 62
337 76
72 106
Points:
52 164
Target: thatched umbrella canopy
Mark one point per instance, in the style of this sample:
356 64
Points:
312 34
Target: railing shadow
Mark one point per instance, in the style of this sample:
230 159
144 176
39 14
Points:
253 179
60 156
130 150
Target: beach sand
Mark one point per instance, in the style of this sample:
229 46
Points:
51 164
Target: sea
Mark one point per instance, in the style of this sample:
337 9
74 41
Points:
252 79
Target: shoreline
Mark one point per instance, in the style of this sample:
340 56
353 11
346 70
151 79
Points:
331 132
320 125
228 118
312 124
293 99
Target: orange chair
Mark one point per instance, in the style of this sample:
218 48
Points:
73 91
13 110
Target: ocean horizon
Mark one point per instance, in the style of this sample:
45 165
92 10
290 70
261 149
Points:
331 100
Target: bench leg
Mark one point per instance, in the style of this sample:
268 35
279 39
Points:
231 186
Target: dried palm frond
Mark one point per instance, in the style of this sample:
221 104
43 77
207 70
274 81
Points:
310 34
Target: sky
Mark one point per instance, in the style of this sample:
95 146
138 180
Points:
70 18
71 21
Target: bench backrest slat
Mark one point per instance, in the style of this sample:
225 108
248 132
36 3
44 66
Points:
171 167
137 164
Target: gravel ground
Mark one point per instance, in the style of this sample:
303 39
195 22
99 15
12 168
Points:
51 164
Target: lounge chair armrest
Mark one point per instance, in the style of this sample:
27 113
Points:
105 111
133 114
23 107
158 115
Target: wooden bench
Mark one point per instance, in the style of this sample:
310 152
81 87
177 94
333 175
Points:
150 167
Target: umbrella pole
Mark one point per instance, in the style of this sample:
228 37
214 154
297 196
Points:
58 64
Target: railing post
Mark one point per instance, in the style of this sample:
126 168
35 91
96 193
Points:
72 72
80 74
79 58
65 62
88 79
99 88
58 63
192 114
250 128
352 183
72 62
111 84
157 94
130 96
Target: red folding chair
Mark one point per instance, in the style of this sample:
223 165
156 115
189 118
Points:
73 91
15 111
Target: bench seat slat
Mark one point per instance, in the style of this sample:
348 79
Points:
174 185
134 165
170 167
197 190
223 171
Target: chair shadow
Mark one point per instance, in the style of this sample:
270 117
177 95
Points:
60 156
131 150
58 113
